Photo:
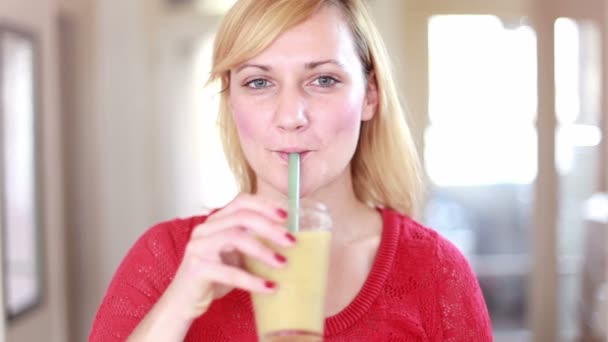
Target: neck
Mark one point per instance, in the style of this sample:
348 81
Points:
345 208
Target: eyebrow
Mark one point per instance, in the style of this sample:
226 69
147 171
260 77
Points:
313 65
307 66
263 67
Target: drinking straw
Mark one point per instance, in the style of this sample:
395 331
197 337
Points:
294 193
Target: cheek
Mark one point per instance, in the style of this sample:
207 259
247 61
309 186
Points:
244 126
244 120
347 119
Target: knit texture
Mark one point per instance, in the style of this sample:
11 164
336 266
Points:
420 288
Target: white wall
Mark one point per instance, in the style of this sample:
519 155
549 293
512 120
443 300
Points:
48 322
112 146
2 321
399 26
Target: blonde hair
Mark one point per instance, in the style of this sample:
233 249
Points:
385 167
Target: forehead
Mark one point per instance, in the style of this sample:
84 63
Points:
325 35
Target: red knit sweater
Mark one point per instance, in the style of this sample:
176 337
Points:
420 288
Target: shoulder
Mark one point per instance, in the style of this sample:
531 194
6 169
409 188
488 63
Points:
440 273
160 247
420 241
175 228
168 235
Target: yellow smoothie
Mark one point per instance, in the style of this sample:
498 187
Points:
299 303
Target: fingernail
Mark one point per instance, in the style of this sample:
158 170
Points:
270 284
282 213
280 258
290 237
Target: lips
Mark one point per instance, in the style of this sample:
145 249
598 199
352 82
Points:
284 154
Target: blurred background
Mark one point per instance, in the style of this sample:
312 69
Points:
507 99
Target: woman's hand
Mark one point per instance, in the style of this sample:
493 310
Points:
213 264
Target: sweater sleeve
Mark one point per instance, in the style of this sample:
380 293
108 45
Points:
462 308
138 283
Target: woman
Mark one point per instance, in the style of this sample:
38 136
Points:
310 77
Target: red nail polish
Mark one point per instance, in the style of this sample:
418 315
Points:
290 237
280 258
270 284
282 213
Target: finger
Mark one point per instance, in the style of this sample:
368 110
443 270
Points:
257 224
234 277
235 240
272 210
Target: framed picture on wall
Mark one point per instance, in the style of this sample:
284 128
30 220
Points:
19 188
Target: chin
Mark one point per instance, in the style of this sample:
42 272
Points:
275 181
279 185
309 188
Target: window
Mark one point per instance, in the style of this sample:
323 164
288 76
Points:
480 153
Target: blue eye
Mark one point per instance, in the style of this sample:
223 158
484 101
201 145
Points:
257 83
325 81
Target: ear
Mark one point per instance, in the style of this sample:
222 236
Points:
370 105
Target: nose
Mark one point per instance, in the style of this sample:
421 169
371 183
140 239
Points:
291 113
